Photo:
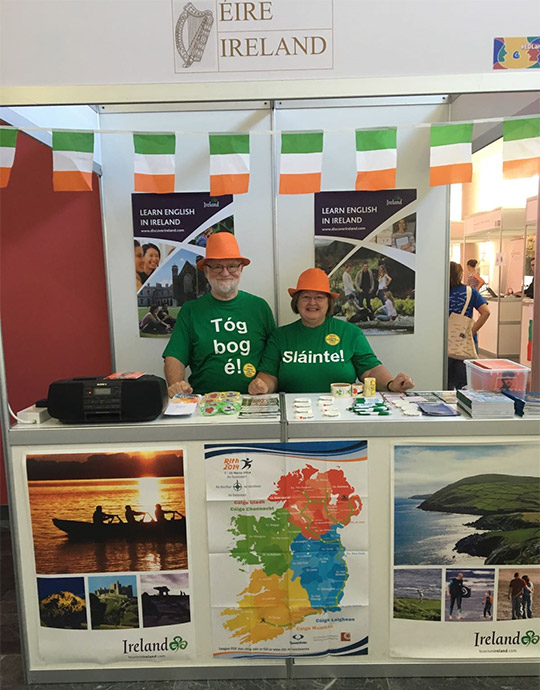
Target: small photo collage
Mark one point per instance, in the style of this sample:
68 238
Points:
466 594
114 601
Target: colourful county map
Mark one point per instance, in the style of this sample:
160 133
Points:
286 546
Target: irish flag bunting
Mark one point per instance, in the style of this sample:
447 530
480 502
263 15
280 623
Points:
229 164
154 162
451 154
301 163
73 160
376 159
8 141
521 148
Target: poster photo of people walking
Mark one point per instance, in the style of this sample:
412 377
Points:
366 243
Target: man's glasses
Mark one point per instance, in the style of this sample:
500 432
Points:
218 268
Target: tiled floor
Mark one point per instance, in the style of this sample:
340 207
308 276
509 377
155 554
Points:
11 674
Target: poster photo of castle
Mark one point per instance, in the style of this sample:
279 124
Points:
170 232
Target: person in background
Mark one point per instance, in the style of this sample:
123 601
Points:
308 355
348 283
222 334
160 513
383 282
152 257
401 237
365 286
515 593
527 597
455 592
457 376
131 515
152 324
101 518
488 603
387 312
140 275
474 279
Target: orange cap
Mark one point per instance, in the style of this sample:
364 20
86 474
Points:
313 279
220 246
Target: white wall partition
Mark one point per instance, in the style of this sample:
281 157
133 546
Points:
252 211
420 354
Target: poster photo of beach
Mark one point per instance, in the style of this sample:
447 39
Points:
469 594
102 512
466 504
527 592
417 593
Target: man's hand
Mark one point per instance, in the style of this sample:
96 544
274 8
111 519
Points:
257 387
401 382
179 387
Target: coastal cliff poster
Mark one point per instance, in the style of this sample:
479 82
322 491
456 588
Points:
111 556
366 243
466 550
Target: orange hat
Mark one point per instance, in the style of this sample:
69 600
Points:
220 246
313 279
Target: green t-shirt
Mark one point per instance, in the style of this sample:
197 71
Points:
222 341
308 360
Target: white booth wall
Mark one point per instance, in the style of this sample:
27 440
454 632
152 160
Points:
272 226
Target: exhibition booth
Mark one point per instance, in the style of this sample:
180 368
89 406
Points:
292 545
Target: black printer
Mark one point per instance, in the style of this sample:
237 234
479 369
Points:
89 400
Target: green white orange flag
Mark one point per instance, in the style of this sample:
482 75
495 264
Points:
229 164
154 162
451 154
521 148
376 158
73 161
301 163
8 142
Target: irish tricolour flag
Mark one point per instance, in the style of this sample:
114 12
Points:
8 141
229 164
154 163
301 163
376 158
521 148
73 160
451 154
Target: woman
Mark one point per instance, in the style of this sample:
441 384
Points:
401 237
139 265
317 350
388 310
527 597
474 279
152 257
457 376
384 281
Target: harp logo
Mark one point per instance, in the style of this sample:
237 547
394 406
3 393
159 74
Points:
191 33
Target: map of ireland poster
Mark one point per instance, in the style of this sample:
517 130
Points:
288 548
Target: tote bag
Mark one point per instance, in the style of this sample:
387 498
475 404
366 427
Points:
460 337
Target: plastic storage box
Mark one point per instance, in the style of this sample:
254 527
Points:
496 375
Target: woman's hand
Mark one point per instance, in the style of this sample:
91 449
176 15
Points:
401 382
258 387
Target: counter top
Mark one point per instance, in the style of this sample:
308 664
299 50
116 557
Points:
224 427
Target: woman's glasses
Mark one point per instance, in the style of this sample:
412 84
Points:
218 268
